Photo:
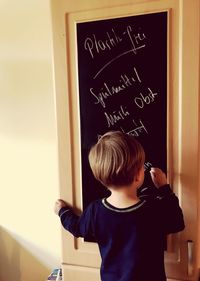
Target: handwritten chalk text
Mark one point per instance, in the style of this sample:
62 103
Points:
139 128
115 116
142 100
96 46
147 166
125 81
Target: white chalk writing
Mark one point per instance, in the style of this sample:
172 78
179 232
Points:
142 100
96 46
147 166
125 81
115 116
135 39
138 129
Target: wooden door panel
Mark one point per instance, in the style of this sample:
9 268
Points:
76 273
81 259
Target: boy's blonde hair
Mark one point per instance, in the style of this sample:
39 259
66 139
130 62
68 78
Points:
116 159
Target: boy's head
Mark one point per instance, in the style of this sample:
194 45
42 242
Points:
116 159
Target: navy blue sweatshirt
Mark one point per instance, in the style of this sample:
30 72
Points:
131 240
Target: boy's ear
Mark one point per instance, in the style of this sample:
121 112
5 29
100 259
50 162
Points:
139 175
136 178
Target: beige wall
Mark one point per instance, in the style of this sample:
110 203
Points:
30 232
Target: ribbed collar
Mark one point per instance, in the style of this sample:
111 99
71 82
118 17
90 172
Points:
122 210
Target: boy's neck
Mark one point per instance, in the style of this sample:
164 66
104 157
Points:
123 197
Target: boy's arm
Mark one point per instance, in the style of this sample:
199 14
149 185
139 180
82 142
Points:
170 214
79 226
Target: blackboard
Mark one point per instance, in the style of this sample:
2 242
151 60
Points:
122 74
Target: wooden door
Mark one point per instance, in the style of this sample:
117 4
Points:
81 259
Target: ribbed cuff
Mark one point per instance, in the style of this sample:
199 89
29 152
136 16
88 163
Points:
164 190
63 210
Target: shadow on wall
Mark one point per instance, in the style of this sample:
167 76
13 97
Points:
10 257
17 263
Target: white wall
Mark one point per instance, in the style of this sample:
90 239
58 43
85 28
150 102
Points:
30 232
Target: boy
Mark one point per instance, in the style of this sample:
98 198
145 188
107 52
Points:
130 231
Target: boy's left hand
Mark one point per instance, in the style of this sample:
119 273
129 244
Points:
58 205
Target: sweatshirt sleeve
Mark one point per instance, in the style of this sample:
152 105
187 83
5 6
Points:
167 208
170 212
79 226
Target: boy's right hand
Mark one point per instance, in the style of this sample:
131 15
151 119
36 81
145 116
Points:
58 205
158 177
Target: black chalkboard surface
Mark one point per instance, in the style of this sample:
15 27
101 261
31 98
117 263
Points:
122 68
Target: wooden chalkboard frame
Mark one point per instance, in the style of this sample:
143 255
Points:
183 103
78 163
149 88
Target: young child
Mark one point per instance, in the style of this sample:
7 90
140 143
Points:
130 231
